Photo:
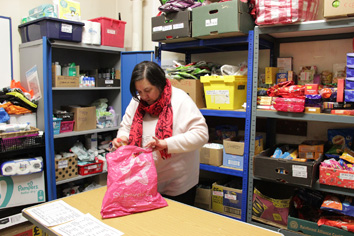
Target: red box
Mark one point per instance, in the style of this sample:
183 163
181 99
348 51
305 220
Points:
112 31
91 168
311 89
340 90
336 177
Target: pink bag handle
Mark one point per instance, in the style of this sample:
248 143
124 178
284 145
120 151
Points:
133 148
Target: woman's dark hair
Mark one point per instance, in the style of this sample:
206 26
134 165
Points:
152 72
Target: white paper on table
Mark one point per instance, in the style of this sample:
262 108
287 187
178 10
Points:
86 225
54 213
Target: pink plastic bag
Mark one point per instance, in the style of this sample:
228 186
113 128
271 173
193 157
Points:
131 183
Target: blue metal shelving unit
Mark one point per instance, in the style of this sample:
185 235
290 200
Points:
241 43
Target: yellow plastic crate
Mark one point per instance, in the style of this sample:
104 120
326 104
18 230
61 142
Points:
225 92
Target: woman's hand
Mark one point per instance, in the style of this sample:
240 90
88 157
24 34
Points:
157 144
118 142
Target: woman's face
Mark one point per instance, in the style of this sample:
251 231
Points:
147 92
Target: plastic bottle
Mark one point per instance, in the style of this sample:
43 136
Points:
112 111
72 69
57 68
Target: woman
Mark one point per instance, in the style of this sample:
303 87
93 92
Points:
167 120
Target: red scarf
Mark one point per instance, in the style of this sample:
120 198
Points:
161 108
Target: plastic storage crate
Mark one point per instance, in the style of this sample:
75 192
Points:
52 28
225 92
112 31
20 142
91 168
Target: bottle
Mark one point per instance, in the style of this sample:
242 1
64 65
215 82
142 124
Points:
72 69
57 68
112 111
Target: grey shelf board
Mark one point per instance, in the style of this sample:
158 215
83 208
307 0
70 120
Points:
90 131
333 189
78 178
305 116
224 113
310 28
86 47
84 88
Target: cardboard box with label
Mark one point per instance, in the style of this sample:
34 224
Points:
21 190
172 27
85 117
285 171
226 200
221 19
211 154
194 88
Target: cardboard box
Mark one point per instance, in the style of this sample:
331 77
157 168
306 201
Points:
313 110
23 229
271 74
336 177
311 228
211 156
233 161
84 117
22 190
339 9
66 168
12 220
65 81
224 19
226 200
311 150
194 88
236 146
172 27
285 171
203 198
100 82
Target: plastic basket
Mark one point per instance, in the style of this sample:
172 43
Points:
91 168
56 125
67 126
20 142
225 92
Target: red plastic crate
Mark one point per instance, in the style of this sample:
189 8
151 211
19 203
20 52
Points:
91 168
67 126
112 31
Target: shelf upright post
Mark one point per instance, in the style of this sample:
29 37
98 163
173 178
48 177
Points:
253 54
48 126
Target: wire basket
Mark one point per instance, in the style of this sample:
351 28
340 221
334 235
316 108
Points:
20 142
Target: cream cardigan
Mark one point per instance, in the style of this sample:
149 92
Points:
177 174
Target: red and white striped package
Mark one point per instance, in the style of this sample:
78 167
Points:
272 12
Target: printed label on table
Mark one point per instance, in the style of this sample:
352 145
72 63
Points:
299 171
